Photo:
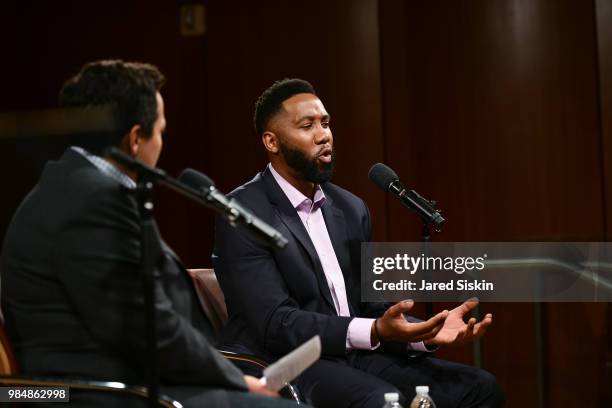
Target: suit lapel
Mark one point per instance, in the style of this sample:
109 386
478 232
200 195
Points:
292 221
336 228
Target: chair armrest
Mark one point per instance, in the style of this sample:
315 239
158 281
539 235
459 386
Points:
288 390
249 358
87 385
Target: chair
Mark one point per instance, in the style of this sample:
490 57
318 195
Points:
213 303
211 296
8 364
9 376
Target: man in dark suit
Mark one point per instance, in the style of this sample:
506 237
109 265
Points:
71 283
278 299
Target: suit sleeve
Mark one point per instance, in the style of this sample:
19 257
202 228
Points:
98 254
256 291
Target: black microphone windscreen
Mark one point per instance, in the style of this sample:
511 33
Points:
195 179
382 175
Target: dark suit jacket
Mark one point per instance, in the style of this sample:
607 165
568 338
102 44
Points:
72 294
279 298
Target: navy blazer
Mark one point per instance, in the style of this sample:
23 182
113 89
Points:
279 298
72 293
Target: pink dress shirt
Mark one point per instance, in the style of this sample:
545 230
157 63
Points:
309 211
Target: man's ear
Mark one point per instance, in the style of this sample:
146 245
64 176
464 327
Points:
133 139
270 141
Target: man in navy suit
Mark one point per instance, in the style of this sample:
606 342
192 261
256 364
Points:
279 298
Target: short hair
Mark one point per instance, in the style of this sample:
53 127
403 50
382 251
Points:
130 89
271 100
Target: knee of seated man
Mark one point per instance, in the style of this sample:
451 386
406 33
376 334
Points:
372 396
489 389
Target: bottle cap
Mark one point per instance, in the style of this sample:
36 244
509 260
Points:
422 389
391 397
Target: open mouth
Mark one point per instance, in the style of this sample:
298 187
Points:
325 156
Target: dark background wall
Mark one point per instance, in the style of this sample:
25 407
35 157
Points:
500 110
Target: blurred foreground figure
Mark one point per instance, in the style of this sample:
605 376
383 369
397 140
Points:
71 281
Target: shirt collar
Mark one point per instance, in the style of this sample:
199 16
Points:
107 168
295 196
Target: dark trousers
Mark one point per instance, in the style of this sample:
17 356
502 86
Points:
362 379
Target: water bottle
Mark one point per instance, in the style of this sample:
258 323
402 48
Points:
422 398
391 400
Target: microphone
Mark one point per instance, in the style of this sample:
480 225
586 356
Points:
234 212
385 178
199 187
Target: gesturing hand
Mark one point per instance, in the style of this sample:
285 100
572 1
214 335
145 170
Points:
455 331
392 326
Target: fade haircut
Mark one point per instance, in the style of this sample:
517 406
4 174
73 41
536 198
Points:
129 88
271 100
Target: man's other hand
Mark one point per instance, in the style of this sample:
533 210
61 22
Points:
455 331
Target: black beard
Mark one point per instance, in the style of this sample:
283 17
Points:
308 169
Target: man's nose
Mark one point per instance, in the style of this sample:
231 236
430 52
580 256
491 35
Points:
323 135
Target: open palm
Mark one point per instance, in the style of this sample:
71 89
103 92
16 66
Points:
456 331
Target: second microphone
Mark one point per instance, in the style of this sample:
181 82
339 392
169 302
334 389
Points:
234 212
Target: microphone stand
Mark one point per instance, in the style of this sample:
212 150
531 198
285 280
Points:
148 178
146 185
426 239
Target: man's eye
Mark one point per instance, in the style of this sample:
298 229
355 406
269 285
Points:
325 124
306 126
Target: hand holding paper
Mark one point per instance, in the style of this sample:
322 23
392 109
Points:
276 375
